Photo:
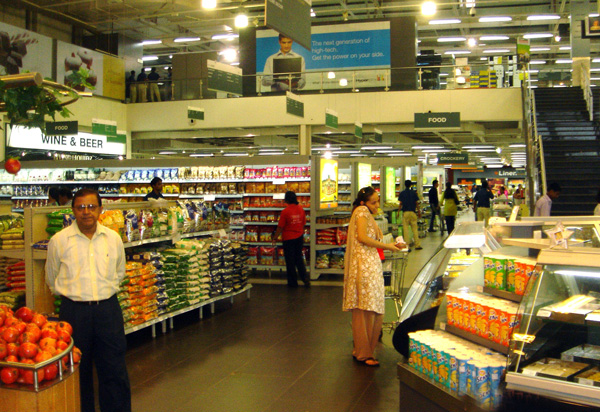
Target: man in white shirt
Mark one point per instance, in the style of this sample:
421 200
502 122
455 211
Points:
544 204
85 265
285 52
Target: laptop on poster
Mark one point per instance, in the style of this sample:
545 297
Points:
287 65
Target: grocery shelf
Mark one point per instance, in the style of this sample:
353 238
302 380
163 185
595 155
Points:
204 233
29 197
327 247
271 194
344 203
266 267
344 192
330 271
503 294
17 209
199 305
477 339
330 225
223 196
262 243
13 253
236 226
260 223
267 209
236 211
147 241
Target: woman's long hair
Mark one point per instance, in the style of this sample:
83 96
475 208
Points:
449 193
363 196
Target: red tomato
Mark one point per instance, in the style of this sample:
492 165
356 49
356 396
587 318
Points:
25 314
42 356
66 326
20 326
49 333
26 376
3 351
61 346
9 375
34 330
27 337
10 334
39 320
28 350
6 309
64 336
76 355
10 321
47 342
50 371
12 166
13 349
12 358
50 324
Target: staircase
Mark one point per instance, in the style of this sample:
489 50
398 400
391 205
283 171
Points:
571 148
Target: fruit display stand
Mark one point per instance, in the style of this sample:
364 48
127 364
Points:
39 296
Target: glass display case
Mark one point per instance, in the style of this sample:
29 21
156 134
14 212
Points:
556 352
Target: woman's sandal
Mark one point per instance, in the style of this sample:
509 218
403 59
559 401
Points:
369 361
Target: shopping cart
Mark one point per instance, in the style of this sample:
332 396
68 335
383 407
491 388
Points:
394 267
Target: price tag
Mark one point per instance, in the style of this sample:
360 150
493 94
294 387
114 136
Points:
528 372
543 313
176 237
222 233
210 198
442 326
479 288
584 381
278 196
279 181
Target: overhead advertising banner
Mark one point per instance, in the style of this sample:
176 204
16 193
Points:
390 184
328 188
291 18
224 78
106 73
523 53
24 51
20 137
364 47
364 175
437 120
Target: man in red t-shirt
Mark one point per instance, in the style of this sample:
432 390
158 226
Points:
291 225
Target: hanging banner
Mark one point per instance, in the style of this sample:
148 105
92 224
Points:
224 78
293 105
331 119
358 130
291 18
378 136
390 184
523 53
104 127
437 120
62 128
195 113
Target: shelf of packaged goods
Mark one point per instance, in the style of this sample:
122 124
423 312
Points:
236 226
147 241
330 225
536 243
577 393
29 197
477 339
67 182
266 209
266 224
136 194
503 294
17 209
263 180
344 192
330 271
266 267
13 253
327 247
6 195
271 194
262 243
199 305
236 211
224 196
341 202
205 233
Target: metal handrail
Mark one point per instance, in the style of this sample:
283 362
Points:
586 85
535 148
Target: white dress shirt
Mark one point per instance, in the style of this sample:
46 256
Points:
267 79
84 269
543 206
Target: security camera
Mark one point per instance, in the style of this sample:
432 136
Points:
472 12
192 121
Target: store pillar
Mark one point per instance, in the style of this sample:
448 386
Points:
580 47
304 140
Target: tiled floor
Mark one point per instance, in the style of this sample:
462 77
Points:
282 350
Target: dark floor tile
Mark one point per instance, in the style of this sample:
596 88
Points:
382 393
270 364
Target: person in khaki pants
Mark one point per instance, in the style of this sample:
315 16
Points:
409 205
481 203
142 88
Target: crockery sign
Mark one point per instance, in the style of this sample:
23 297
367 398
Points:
453 158
437 120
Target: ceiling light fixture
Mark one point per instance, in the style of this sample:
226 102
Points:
564 48
209 4
428 8
312 13
517 145
445 21
472 42
426 147
151 42
450 39
229 54
557 38
225 36
543 17
457 52
563 61
343 82
375 147
537 35
166 152
241 21
331 75
235 154
537 62
540 49
186 39
488 38
493 19
201 155
149 58
497 51
270 153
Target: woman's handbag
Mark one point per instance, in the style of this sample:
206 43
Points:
381 255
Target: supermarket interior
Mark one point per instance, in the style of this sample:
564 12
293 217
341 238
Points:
455 144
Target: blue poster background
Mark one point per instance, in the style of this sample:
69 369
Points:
334 50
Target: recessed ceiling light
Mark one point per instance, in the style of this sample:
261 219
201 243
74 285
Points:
539 49
537 35
209 4
428 8
472 42
201 155
543 17
564 48
492 19
537 62
186 39
225 36
312 13
497 51
445 21
151 42
457 52
563 61
450 39
241 21
488 38
149 58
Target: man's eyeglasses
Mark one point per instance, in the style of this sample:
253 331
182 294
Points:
91 208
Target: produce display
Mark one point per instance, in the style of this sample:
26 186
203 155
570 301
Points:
485 316
13 300
461 366
507 273
29 338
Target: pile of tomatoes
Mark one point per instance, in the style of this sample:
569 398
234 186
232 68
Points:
28 337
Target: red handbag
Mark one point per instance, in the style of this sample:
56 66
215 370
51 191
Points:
381 255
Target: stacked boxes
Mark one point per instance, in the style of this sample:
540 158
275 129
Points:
138 294
490 318
507 273
459 365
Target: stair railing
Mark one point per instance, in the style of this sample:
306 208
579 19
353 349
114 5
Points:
534 147
586 85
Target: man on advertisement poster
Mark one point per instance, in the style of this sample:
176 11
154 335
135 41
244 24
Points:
285 61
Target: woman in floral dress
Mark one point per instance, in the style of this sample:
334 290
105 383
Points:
363 276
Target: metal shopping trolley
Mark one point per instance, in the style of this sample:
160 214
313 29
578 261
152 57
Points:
394 267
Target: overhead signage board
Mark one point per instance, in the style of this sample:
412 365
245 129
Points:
428 121
293 105
62 128
224 78
328 186
290 18
378 136
364 175
104 127
358 130
20 137
453 158
331 119
195 113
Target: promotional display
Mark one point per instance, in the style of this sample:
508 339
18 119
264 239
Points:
24 51
390 184
328 190
355 46
364 175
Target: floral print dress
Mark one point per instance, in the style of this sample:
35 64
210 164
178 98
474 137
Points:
363 275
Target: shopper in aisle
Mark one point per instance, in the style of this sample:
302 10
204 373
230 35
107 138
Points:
519 195
409 205
65 195
363 276
156 184
481 203
291 227
543 206
142 90
153 77
131 87
85 265
434 204
53 193
450 202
